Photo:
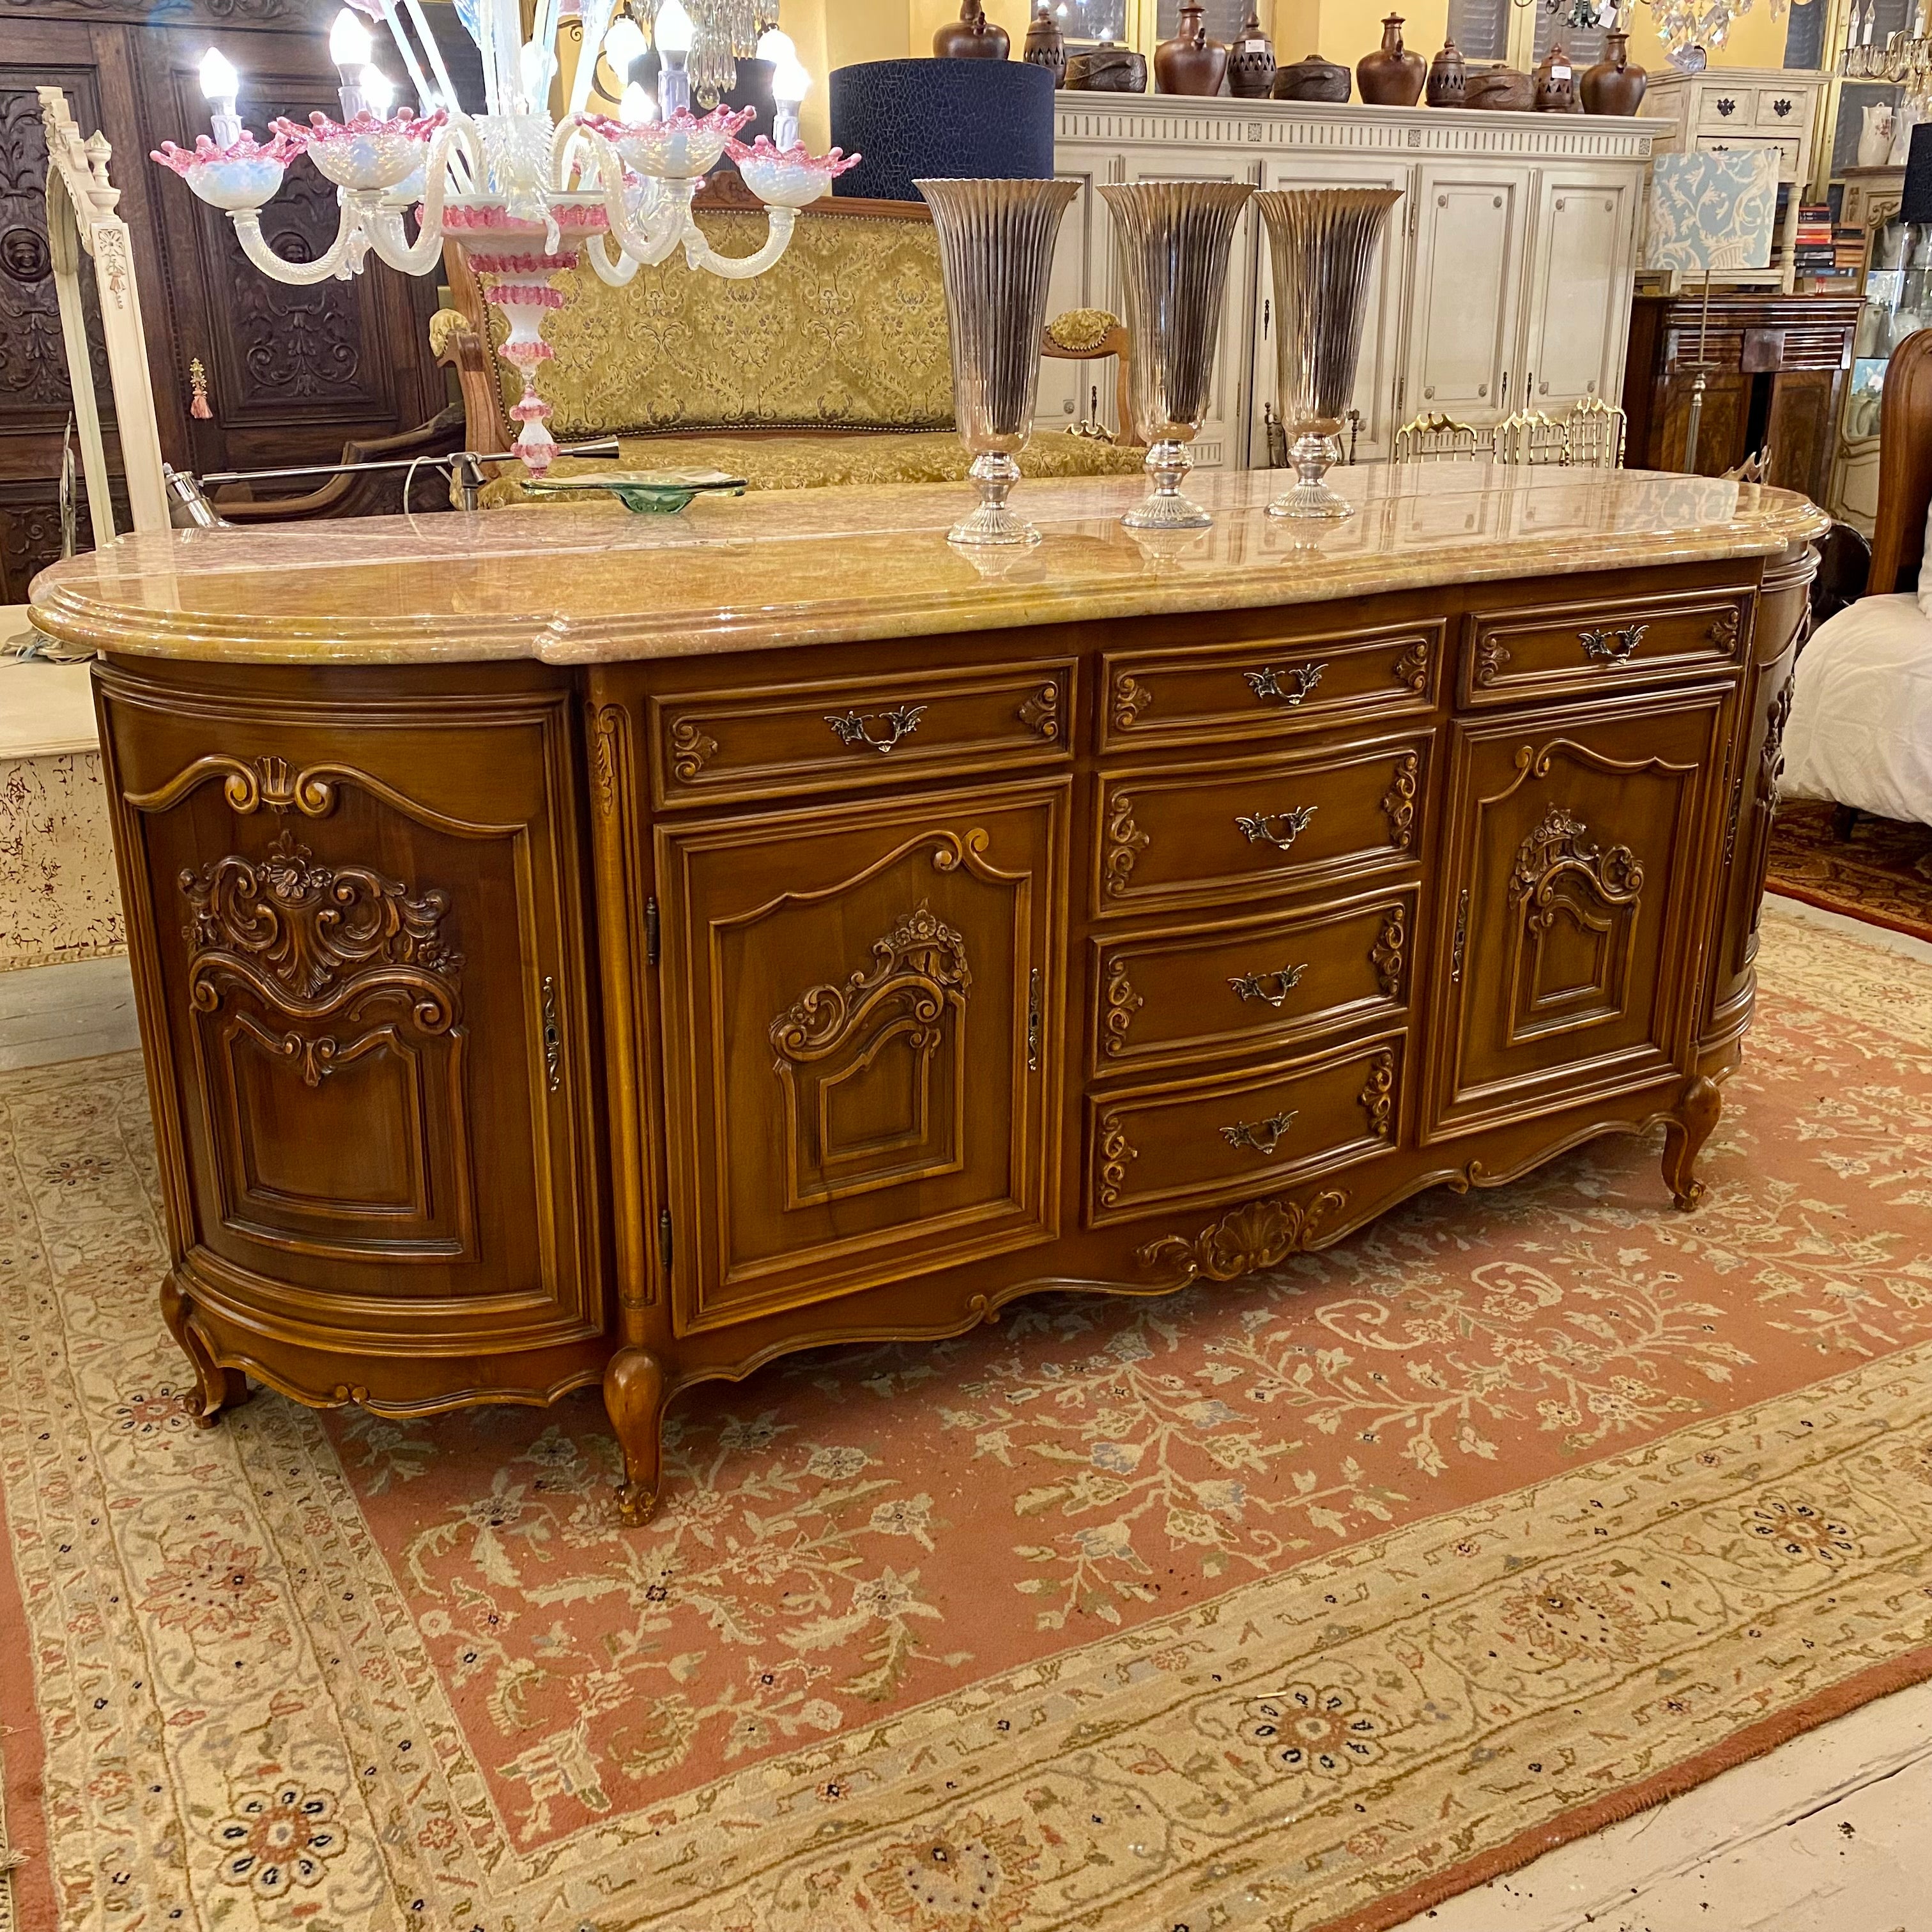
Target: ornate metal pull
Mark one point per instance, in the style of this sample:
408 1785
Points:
1254 828
552 1035
1249 985
1033 1020
1290 687
1462 938
901 722
1264 1136
1612 646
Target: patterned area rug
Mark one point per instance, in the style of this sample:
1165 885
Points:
1883 873
1297 1604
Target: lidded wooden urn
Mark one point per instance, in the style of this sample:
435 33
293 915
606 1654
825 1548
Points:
1391 77
972 37
1190 63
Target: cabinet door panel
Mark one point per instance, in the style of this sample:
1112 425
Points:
862 1034
364 1001
1221 439
1579 289
1577 852
1463 320
1375 371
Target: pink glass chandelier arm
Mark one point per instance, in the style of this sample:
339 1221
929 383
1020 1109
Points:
386 230
639 242
298 274
699 253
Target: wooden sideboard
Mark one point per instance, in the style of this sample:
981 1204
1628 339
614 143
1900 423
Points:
1505 273
578 947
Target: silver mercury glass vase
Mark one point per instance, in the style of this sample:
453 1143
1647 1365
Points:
1172 239
996 242
1321 243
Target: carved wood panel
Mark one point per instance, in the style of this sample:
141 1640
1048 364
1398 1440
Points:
1581 846
862 1034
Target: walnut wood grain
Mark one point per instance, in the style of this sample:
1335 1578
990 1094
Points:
678 1037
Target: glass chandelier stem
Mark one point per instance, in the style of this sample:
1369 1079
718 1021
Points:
699 253
299 274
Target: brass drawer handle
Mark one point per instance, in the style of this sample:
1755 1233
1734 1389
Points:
1249 985
1612 646
1290 687
1256 828
1264 1136
901 722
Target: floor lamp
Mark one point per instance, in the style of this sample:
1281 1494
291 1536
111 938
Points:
1709 214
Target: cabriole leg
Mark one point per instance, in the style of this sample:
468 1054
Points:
633 1397
1695 1114
219 1388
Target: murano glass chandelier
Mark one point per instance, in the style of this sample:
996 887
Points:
522 195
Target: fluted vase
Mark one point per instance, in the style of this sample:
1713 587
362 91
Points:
996 242
1172 239
1322 245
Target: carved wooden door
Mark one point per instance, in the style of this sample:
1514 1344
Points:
367 1003
863 1044
1576 859
292 373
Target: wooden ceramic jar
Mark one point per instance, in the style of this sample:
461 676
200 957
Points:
1615 85
1046 46
1190 63
972 37
1109 68
1312 78
1446 75
1556 83
1391 77
1251 61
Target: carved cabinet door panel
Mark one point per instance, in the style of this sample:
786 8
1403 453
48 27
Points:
862 1043
368 1003
1577 854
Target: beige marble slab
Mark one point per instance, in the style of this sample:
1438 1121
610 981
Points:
575 585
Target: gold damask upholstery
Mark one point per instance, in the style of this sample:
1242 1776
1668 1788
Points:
817 462
847 331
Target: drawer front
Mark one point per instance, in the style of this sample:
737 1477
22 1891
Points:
715 745
1782 107
1719 106
1787 149
1257 690
1249 985
1222 832
1558 648
1194 1145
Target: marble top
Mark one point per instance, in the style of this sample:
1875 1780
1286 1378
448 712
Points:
569 585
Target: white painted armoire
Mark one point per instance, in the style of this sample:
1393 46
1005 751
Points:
1506 272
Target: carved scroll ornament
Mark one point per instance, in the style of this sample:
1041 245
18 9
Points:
314 942
1256 1235
917 964
1559 847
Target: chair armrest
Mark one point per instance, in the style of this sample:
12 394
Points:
456 340
1844 568
1086 335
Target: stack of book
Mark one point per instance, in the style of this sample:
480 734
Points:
1815 251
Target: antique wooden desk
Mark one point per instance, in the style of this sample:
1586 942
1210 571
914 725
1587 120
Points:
571 946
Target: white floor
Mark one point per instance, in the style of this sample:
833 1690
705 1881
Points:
1830 1833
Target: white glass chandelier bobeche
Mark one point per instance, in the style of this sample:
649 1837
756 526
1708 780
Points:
522 195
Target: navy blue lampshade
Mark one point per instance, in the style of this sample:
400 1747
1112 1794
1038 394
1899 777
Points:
985 119
1916 205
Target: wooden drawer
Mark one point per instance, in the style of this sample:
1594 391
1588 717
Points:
758 739
1192 1145
1720 107
1782 107
1198 835
1724 144
1258 689
1249 985
1555 648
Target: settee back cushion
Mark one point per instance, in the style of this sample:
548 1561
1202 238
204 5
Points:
848 330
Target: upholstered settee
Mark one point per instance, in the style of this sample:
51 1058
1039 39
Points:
831 367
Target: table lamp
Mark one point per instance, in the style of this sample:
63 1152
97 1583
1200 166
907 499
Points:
1711 214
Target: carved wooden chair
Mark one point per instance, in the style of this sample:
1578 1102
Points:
1434 438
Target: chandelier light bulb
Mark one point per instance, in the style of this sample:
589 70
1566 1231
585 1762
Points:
379 92
220 83
349 45
637 108
776 45
675 32
790 81
623 45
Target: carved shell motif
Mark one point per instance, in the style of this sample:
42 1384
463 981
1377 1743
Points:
1255 1235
